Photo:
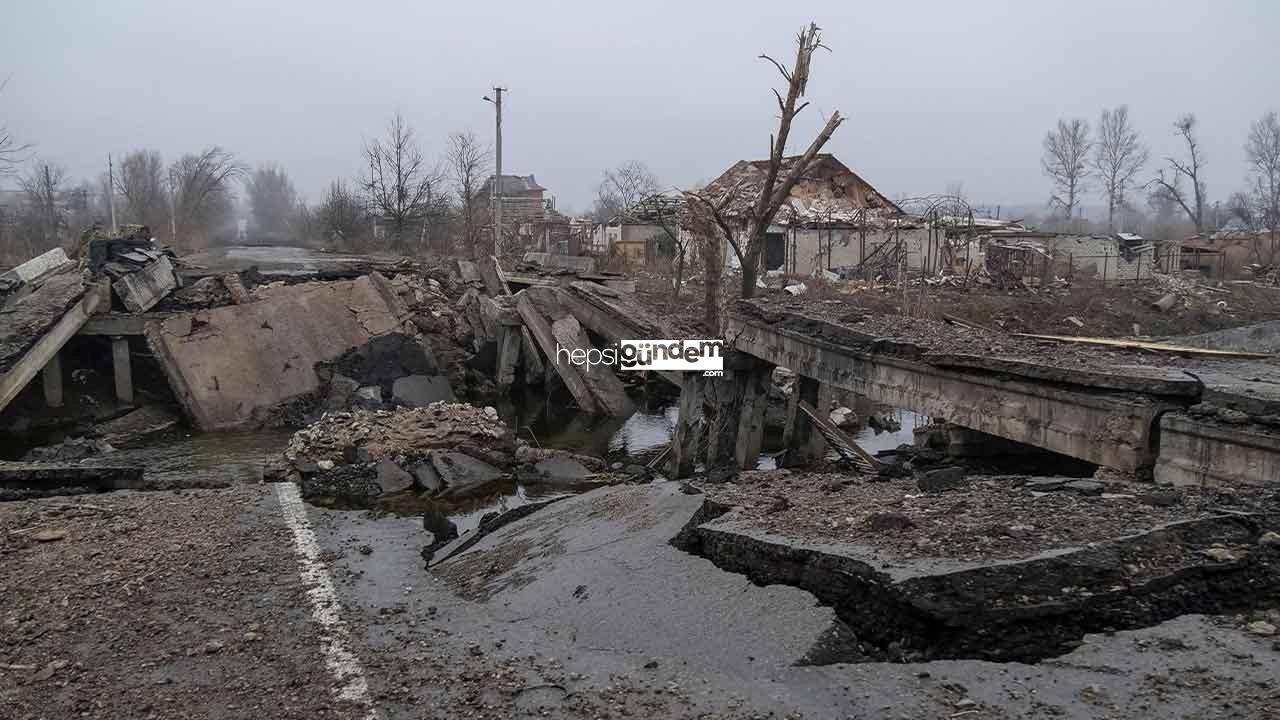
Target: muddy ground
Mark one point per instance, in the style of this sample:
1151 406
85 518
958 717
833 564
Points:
191 605
1110 311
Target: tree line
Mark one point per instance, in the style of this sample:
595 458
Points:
403 201
1112 160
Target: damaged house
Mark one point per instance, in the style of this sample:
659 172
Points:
529 216
648 232
833 219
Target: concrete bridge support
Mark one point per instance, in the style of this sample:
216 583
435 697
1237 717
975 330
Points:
729 410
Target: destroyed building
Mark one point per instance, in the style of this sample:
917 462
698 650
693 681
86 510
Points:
832 219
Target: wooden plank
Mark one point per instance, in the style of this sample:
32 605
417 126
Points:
34 360
839 440
541 331
1154 347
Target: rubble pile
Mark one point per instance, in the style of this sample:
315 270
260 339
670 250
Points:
378 434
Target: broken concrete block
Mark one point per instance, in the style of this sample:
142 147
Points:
392 478
883 521
341 390
941 479
142 290
463 474
562 471
843 417
427 478
369 393
1045 484
421 390
1085 487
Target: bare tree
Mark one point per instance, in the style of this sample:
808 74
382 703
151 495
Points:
202 191
622 188
401 186
140 181
1190 168
468 164
1065 162
42 187
778 182
1117 158
1263 152
12 153
341 215
273 204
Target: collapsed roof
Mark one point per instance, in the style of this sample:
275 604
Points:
828 193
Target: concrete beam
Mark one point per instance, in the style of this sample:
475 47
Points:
1104 427
35 268
1193 452
123 369
803 442
541 331
52 376
35 359
120 324
689 427
754 384
508 357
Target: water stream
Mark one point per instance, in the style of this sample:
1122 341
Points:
190 459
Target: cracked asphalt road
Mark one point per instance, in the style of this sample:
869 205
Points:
191 604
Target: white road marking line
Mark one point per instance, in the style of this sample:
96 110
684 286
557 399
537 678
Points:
325 608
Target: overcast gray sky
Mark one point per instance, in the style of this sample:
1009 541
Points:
935 92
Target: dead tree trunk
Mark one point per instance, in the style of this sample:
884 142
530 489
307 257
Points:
780 177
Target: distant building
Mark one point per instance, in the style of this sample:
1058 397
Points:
529 217
651 231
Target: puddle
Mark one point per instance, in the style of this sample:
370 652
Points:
874 441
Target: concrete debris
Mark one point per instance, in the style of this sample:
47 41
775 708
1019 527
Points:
844 418
1262 628
421 390
69 450
580 264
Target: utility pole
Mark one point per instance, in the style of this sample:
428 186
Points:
111 191
173 210
496 191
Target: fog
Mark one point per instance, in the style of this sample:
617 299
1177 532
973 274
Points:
936 93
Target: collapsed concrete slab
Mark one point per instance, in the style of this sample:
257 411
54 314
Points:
918 606
598 567
562 339
229 364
